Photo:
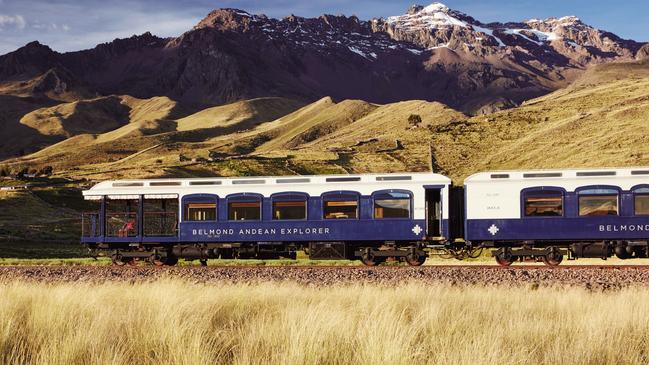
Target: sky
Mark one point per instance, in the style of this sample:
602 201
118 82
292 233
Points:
69 25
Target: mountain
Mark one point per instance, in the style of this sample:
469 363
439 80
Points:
430 53
248 94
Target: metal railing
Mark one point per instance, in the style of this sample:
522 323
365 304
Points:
160 224
90 224
121 224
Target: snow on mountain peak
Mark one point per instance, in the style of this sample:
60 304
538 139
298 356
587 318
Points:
435 7
438 16
552 21
433 16
569 19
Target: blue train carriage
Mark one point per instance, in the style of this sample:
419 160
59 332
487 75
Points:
546 215
371 217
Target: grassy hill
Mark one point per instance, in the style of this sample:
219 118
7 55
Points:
597 121
159 126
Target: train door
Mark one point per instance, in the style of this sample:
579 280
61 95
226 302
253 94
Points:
434 212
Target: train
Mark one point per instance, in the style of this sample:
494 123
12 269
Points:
534 215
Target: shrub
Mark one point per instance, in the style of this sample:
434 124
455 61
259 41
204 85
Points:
414 120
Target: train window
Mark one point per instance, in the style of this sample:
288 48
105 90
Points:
344 209
340 205
201 211
598 202
543 203
641 201
244 210
289 209
392 205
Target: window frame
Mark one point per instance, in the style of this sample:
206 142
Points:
199 199
341 195
290 196
634 193
579 194
389 191
244 198
525 193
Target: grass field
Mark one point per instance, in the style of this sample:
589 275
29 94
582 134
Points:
177 322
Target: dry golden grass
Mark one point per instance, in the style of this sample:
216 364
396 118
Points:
300 128
175 322
240 115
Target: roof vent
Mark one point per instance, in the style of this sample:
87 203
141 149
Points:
126 184
164 183
543 174
204 183
393 178
292 181
247 182
596 173
343 179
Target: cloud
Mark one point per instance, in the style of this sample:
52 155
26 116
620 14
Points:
14 21
49 26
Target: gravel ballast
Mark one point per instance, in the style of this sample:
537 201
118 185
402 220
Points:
588 277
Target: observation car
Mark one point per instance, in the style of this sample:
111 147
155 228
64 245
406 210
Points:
369 217
549 214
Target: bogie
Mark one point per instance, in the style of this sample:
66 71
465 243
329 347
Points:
551 256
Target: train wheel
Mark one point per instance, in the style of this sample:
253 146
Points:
158 260
415 260
505 258
553 258
171 260
117 260
368 259
226 253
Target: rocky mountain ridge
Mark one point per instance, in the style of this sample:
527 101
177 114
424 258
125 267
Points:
431 53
